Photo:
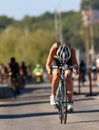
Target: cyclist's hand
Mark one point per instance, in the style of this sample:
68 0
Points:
49 71
10 73
76 74
76 70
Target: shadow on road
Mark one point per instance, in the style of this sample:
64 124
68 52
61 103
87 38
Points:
85 111
23 104
84 99
6 92
86 121
27 115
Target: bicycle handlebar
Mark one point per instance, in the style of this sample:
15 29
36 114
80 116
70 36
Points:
64 67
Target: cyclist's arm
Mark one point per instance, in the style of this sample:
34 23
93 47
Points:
9 71
74 59
50 57
73 56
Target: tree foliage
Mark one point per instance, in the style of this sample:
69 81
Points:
5 21
90 3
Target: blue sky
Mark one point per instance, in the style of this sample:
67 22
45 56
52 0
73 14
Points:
17 9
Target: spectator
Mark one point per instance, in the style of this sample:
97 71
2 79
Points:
82 71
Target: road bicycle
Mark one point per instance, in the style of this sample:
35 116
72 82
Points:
61 94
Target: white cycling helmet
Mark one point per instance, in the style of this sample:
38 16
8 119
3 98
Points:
63 53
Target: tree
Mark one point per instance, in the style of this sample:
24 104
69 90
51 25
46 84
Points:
87 3
5 21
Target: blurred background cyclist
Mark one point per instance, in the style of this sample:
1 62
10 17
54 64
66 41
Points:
37 73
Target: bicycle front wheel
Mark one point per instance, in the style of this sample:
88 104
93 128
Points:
63 103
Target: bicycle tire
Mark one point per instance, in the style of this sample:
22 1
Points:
15 88
65 102
62 103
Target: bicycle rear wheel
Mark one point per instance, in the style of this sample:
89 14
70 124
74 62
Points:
14 90
15 87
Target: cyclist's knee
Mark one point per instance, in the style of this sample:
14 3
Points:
56 74
68 75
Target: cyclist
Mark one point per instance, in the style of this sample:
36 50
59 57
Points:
38 73
23 73
61 52
14 70
82 70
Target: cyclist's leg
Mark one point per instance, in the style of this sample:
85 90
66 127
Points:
10 81
55 82
69 83
55 75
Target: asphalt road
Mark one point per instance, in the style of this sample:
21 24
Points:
31 110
